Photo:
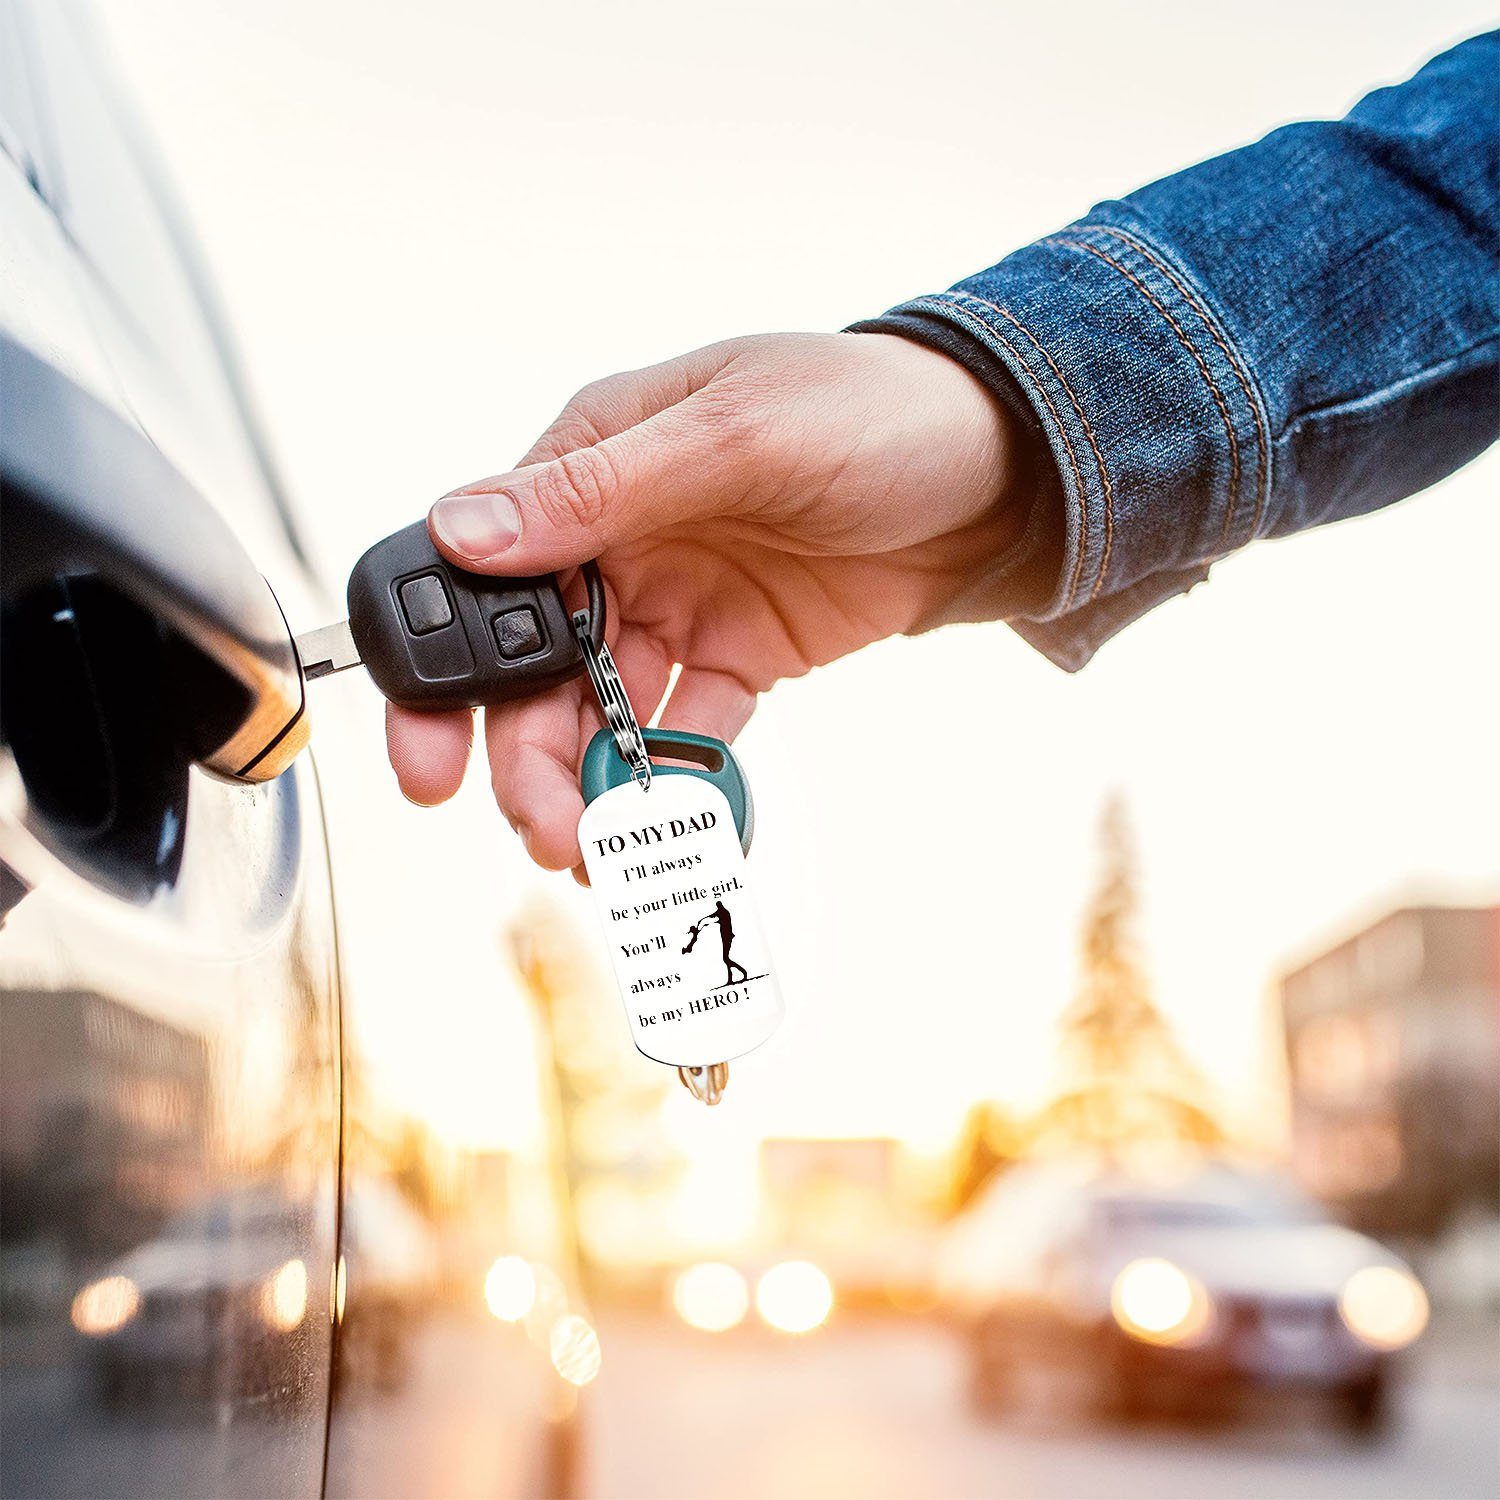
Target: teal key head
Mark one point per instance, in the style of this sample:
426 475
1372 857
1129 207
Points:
713 760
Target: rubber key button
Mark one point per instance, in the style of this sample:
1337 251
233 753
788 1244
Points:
424 602
518 633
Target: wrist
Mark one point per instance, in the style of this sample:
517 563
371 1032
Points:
1016 530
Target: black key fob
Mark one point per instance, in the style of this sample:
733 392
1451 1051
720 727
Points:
435 636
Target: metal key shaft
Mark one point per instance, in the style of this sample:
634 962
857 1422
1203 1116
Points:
327 650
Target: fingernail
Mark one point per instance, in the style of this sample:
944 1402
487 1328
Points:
477 526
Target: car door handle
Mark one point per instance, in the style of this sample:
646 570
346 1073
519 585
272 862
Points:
86 494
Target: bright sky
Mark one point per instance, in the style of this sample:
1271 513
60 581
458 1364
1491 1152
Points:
433 222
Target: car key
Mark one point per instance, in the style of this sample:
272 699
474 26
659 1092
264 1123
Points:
433 636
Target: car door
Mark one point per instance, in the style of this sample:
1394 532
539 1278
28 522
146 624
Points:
230 1261
169 1021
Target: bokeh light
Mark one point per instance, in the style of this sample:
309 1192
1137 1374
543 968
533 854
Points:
795 1297
283 1299
106 1305
1159 1303
574 1347
1384 1305
711 1296
510 1288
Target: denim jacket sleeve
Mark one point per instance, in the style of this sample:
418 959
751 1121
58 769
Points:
1299 331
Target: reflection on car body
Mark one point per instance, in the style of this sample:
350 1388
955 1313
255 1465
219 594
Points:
226 1273
397 1270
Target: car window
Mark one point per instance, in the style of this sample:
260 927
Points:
19 130
1144 1213
1242 1202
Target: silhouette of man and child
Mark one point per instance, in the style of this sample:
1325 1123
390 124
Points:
719 914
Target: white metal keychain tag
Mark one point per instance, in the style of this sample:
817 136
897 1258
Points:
665 861
687 947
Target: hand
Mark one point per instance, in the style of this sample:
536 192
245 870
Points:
758 508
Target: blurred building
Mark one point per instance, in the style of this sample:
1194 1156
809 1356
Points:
1393 1051
864 1208
800 1175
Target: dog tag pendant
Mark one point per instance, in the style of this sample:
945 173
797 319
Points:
689 955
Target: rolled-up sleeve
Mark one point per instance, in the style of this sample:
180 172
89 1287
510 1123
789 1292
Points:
1296 332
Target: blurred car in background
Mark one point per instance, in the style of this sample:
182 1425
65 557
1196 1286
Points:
1151 1296
206 1198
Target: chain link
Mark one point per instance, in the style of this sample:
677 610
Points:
613 701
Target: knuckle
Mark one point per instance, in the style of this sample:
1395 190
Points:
602 406
597 396
577 489
588 418
571 429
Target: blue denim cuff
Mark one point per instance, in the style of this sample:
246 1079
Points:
1159 437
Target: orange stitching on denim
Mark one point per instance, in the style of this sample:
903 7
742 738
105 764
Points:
1207 374
1083 515
1262 437
1088 432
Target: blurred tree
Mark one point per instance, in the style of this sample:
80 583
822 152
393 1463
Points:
421 1167
1125 1084
992 1138
616 1160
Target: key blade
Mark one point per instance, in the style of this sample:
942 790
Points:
326 651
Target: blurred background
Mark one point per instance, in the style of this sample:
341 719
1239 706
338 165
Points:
1159 1151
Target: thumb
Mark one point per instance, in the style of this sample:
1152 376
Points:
677 466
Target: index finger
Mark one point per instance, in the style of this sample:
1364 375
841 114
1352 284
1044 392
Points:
428 751
605 408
